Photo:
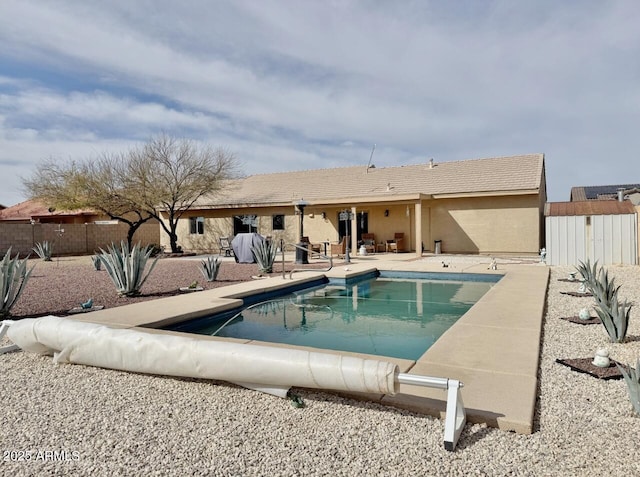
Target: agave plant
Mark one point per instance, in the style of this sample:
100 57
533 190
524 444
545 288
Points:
13 278
127 267
97 262
632 378
613 313
44 250
210 268
265 254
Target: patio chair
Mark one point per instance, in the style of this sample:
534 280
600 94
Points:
225 246
369 242
340 248
313 247
397 244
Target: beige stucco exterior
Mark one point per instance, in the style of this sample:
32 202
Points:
508 224
485 206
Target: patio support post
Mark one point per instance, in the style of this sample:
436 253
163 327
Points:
418 234
354 231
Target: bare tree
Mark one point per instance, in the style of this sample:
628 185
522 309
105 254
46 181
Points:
96 185
162 180
172 174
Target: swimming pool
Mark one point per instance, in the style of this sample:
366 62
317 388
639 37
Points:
396 315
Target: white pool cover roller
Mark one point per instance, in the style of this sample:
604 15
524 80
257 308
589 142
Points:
154 353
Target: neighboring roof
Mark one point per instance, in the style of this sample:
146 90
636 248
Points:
31 209
588 207
513 175
605 192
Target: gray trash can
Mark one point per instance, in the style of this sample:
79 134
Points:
437 247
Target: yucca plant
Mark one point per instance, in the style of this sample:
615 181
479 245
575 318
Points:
265 254
97 262
632 378
613 313
44 250
210 268
13 278
127 267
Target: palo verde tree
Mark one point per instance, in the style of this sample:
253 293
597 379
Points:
161 179
171 174
98 184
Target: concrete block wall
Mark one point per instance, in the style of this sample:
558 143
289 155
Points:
71 239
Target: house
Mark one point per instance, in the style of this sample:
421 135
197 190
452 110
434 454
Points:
607 192
32 211
484 206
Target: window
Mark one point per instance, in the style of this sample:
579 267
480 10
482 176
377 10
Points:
196 225
243 224
277 222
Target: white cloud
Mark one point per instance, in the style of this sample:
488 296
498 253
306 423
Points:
288 85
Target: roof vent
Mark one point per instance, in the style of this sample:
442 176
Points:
621 195
431 163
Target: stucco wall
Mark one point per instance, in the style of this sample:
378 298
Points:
219 223
508 224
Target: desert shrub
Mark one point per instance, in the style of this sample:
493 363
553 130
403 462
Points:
156 249
97 262
44 250
126 267
265 254
13 278
632 379
613 313
210 268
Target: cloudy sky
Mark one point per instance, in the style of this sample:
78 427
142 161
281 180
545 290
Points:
289 85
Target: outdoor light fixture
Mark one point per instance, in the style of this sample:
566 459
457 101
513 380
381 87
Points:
408 211
386 213
324 215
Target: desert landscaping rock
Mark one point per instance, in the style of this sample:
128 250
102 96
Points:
116 423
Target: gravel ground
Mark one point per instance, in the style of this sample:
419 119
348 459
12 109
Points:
114 423
56 287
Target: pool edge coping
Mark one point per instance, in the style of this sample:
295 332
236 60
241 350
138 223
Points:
500 398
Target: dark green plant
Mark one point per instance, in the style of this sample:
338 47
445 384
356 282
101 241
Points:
44 250
632 378
210 268
127 267
13 278
265 254
97 262
613 313
156 249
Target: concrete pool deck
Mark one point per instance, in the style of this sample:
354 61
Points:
493 349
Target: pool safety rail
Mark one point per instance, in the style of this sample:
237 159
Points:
268 369
304 250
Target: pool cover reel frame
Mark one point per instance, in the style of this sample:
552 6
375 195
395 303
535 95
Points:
455 417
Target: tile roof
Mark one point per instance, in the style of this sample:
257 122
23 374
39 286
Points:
588 207
34 209
514 174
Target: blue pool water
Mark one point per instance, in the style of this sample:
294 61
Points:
398 317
